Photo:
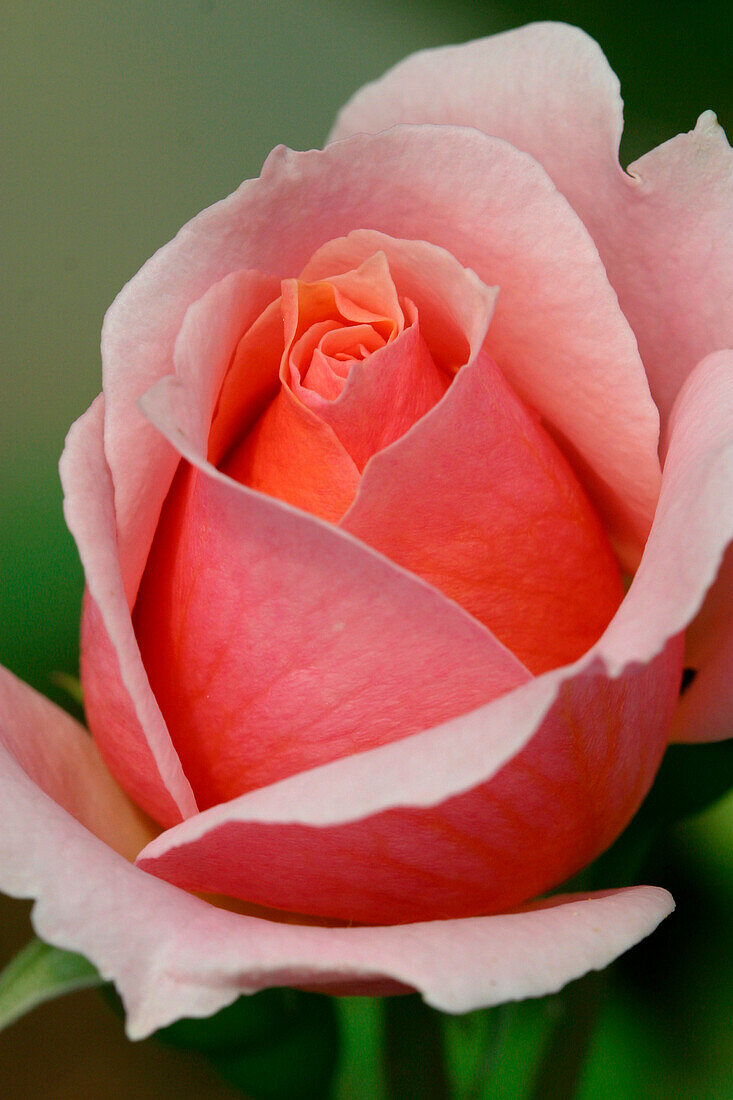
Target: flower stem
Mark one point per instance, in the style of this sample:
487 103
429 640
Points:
563 1059
415 1065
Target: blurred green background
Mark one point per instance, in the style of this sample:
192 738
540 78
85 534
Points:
121 120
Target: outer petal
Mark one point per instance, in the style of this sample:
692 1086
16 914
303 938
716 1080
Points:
664 231
702 422
58 756
545 87
173 955
135 743
496 212
666 241
361 840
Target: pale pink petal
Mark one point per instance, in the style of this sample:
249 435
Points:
702 435
121 708
664 231
557 317
172 955
545 87
59 756
694 522
212 333
477 500
667 242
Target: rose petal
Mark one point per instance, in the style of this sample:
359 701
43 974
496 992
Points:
293 455
544 87
694 521
664 231
702 429
149 938
392 389
311 845
705 712
477 500
299 646
60 758
667 246
121 708
140 330
453 305
384 395
557 318
680 562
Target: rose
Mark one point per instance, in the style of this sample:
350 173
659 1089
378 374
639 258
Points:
456 763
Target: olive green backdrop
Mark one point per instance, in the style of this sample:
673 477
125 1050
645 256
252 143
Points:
120 120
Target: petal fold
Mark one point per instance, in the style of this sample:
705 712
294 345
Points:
121 708
301 645
479 501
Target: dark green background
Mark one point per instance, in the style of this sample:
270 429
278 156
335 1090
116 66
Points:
121 119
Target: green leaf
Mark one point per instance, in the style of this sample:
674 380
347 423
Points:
277 1045
361 1063
39 973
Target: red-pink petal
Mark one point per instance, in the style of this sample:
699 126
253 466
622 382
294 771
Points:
121 708
477 500
291 454
680 562
664 231
431 767
274 642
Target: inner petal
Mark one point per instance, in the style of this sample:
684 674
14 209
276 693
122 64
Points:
481 503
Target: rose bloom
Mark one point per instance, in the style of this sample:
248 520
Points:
388 596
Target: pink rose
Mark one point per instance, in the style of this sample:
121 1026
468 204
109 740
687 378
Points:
378 444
